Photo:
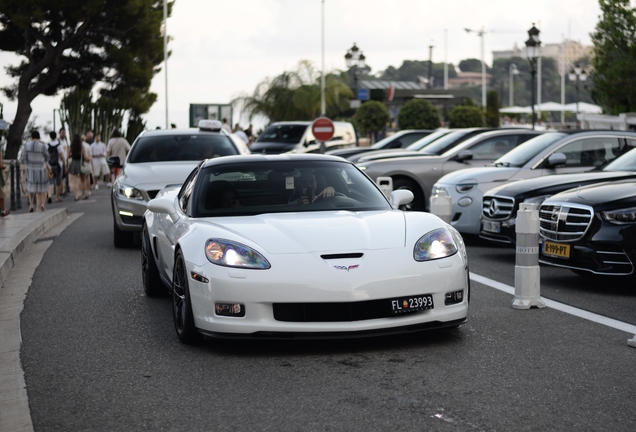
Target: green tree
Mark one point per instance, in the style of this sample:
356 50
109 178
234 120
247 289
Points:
418 114
492 109
78 43
463 116
295 95
614 57
371 117
471 65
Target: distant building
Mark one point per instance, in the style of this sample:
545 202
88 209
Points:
573 51
467 79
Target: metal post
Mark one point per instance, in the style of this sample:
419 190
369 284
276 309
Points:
527 272
445 59
430 66
483 71
323 108
165 54
539 85
12 184
562 80
18 198
533 73
442 206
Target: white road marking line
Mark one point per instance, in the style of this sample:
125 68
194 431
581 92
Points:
599 319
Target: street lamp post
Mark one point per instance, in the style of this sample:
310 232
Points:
481 33
512 70
533 48
355 61
577 74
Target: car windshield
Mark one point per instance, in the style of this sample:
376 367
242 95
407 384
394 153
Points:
519 156
285 133
444 143
385 141
421 143
249 189
170 148
626 162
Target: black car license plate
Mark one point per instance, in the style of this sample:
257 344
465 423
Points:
411 304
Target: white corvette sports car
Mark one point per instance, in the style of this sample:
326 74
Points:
299 246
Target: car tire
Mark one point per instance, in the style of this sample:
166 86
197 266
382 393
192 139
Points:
418 203
121 239
153 287
182 304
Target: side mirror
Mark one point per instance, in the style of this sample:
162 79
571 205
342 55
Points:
556 159
464 155
400 197
162 205
114 162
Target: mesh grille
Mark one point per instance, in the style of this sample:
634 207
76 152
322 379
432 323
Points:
564 222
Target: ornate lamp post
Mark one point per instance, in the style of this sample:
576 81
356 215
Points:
355 61
533 50
577 75
512 70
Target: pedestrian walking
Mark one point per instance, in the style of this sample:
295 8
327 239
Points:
226 126
77 157
35 156
117 146
239 132
87 171
100 167
56 158
3 211
65 146
248 132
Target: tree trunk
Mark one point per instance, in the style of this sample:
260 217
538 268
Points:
14 138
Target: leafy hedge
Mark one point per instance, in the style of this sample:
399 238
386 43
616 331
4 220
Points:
418 114
463 116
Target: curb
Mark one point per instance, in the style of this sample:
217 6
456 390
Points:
12 249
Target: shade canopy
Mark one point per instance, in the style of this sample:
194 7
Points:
584 107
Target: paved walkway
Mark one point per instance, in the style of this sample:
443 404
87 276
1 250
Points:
18 232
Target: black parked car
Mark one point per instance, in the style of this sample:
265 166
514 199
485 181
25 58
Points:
400 139
500 204
591 230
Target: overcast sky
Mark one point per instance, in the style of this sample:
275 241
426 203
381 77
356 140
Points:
222 49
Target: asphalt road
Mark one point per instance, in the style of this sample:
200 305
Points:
99 355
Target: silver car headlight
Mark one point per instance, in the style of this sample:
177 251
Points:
620 217
465 187
232 254
434 245
129 192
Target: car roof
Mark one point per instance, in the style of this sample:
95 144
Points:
188 131
253 158
591 131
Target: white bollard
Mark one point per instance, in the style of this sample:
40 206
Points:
527 275
632 342
442 206
386 185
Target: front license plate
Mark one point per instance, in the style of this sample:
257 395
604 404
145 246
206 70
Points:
412 304
492 226
556 250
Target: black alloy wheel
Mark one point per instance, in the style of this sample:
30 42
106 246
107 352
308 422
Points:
418 203
153 287
181 303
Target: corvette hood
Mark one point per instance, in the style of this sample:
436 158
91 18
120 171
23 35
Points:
481 175
157 175
332 232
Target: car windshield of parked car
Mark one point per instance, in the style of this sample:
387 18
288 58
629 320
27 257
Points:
626 162
172 148
519 156
289 134
444 143
249 189
421 143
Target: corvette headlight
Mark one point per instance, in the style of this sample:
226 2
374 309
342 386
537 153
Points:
620 217
129 192
232 254
434 245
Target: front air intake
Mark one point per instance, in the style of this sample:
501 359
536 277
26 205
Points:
341 256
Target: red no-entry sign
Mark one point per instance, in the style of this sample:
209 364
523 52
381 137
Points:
323 129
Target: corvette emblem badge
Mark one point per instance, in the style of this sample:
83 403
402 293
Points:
346 268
